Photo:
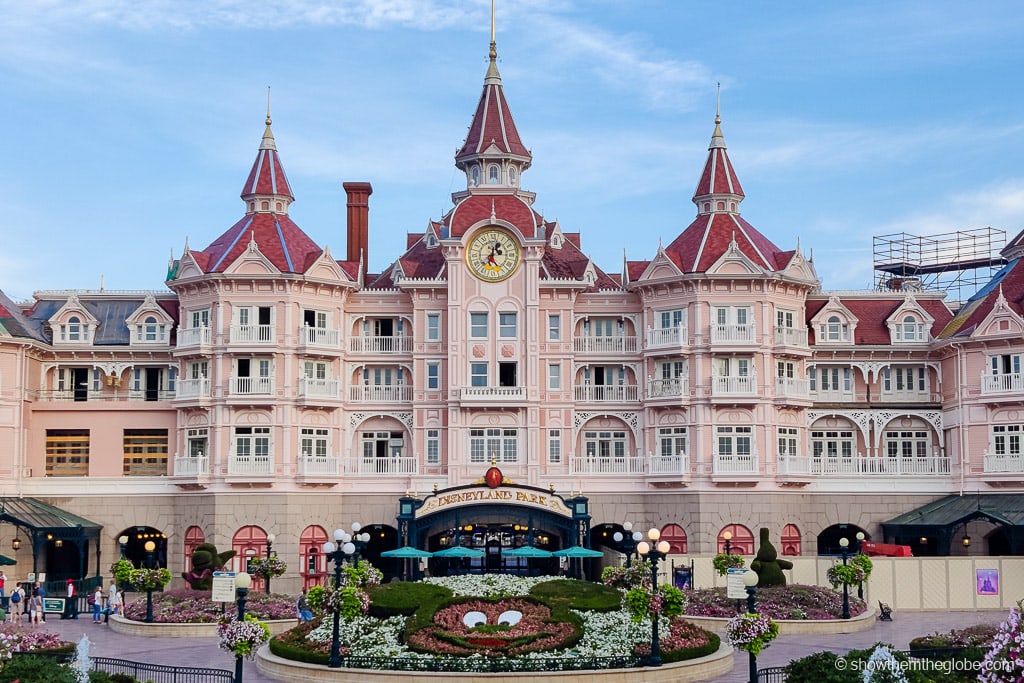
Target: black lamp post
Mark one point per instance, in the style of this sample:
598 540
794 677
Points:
150 547
626 543
123 542
270 546
344 545
242 583
860 584
656 553
844 543
750 579
728 537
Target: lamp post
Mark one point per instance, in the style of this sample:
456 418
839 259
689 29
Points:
627 542
844 543
728 537
150 547
860 584
123 542
750 583
344 545
242 583
270 546
658 552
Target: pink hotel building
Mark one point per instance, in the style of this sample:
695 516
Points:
712 390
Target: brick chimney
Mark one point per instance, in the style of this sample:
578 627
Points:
358 222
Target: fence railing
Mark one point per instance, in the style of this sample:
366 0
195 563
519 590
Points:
777 674
162 673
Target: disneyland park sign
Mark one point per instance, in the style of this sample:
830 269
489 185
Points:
494 492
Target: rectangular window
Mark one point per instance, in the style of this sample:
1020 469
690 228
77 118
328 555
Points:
252 442
787 441
670 319
554 327
832 444
67 452
197 442
554 445
478 325
672 441
736 441
433 375
785 369
433 446
554 376
313 443
478 374
784 319
508 325
433 326
1006 439
145 452
498 445
200 318
605 444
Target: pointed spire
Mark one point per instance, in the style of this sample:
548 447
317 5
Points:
267 187
718 190
493 77
268 135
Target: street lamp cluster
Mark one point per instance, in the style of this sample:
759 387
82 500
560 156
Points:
626 542
657 551
242 583
344 546
270 547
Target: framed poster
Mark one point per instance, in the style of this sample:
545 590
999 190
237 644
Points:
53 605
987 581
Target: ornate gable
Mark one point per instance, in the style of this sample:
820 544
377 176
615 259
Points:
734 262
1001 321
252 262
909 323
72 323
834 324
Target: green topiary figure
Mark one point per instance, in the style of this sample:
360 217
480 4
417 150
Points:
205 561
768 565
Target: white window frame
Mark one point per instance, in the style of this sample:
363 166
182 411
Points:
478 324
508 325
433 441
734 440
673 441
1006 439
255 441
554 376
433 327
499 443
606 443
907 443
554 446
554 327
479 374
787 441
833 443
434 375
197 442
314 442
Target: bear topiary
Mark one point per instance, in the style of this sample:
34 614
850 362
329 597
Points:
205 561
768 565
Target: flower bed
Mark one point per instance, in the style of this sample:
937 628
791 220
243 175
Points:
14 639
795 602
188 606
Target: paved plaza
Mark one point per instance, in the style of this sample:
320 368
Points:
204 652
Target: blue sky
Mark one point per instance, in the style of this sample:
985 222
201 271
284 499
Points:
130 126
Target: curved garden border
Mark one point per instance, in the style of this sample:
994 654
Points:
705 668
119 624
861 622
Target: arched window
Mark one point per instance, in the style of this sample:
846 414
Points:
74 328
248 542
313 567
194 537
150 328
512 176
741 541
835 329
676 537
790 540
912 329
492 174
720 206
474 175
707 206
265 206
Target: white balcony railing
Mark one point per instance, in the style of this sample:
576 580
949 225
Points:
832 395
611 393
1004 463
662 337
790 336
374 344
630 465
319 336
317 465
790 387
321 388
733 334
144 395
262 465
193 388
735 464
193 336
1002 384
734 386
252 386
931 465
252 334
660 465
380 393
668 388
396 465
186 466
496 394
906 396
608 345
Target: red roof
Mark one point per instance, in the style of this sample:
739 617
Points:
478 207
267 176
492 120
276 236
708 237
718 176
872 314
1009 281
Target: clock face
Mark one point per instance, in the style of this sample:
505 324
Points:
493 254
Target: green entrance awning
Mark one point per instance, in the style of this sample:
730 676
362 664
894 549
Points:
1005 509
4 560
34 514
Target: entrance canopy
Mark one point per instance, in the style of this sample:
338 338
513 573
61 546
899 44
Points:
45 525
940 519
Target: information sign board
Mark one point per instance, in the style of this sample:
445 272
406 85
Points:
734 588
223 587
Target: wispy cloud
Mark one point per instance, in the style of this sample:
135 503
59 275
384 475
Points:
999 205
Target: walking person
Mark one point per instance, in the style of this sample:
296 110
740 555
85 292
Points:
35 608
16 605
3 583
302 607
97 605
71 603
41 590
114 602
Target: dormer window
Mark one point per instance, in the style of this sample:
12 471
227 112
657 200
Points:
265 206
707 207
835 330
151 331
252 206
492 174
910 330
74 329
720 206
474 176
278 205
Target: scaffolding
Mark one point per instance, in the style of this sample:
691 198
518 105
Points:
957 263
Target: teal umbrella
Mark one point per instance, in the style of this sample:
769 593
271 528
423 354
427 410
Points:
406 551
578 551
459 551
4 560
527 551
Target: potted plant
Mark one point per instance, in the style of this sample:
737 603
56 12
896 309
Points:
844 574
723 562
149 579
270 567
1003 662
242 638
751 632
642 604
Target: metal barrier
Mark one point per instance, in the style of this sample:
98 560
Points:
777 674
773 674
161 673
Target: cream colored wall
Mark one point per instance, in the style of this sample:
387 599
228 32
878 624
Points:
905 583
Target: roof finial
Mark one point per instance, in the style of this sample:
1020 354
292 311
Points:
492 68
268 105
268 135
718 105
717 139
